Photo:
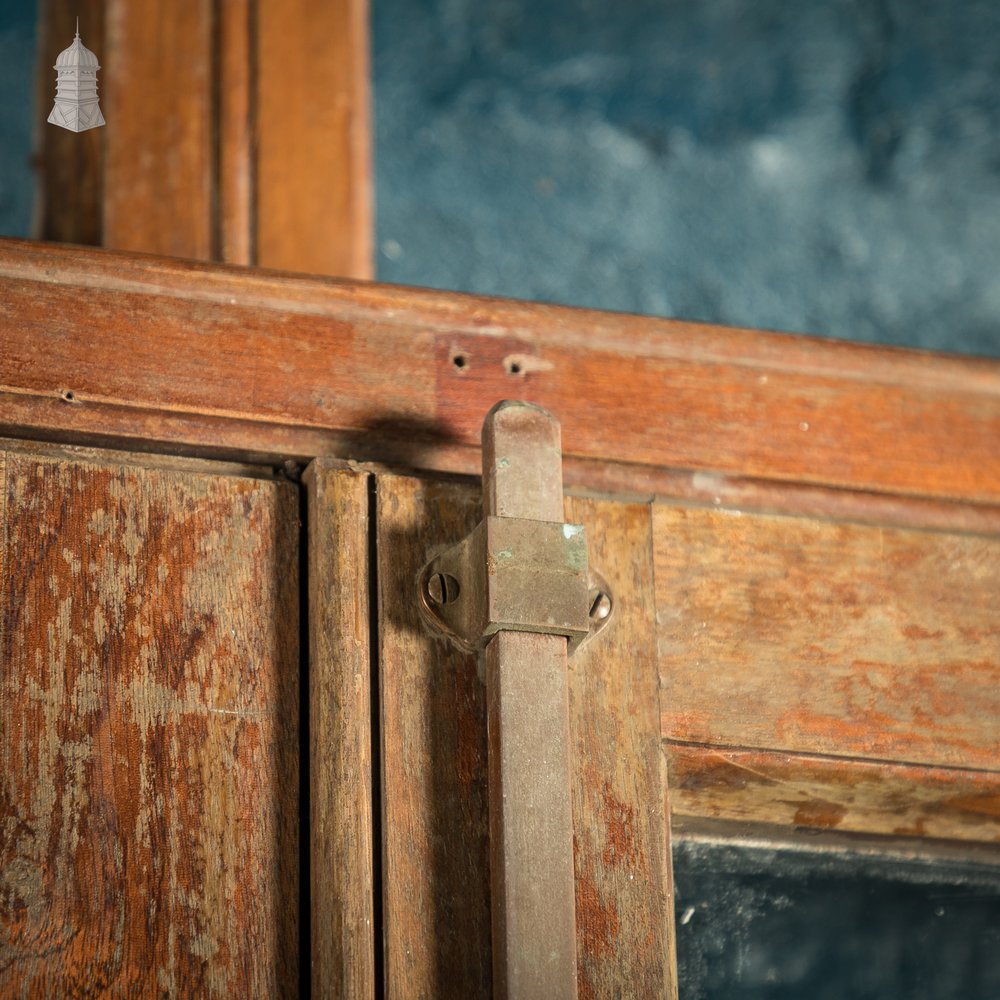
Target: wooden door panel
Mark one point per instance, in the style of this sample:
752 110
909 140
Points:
435 860
434 776
148 729
830 675
859 641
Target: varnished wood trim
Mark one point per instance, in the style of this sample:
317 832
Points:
235 124
159 100
314 209
311 358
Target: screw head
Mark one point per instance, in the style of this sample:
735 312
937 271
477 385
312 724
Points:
442 588
600 606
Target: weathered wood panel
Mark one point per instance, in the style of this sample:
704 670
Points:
314 180
271 362
340 732
435 814
624 900
793 634
823 793
148 732
159 99
434 767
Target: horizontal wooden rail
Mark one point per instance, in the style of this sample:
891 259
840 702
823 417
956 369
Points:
222 360
810 792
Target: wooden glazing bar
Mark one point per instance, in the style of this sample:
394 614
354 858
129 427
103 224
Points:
159 97
810 792
314 184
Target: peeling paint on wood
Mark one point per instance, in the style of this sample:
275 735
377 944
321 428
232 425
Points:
148 731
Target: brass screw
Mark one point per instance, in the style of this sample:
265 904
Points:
442 588
600 606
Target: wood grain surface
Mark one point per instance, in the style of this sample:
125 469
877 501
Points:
792 634
148 731
159 100
235 125
624 899
340 731
237 131
207 356
435 823
434 768
314 183
825 793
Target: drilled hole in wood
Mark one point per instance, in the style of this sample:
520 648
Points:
459 361
514 368
68 396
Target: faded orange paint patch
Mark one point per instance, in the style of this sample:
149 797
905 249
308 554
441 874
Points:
623 846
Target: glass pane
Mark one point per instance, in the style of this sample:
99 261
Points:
822 166
777 923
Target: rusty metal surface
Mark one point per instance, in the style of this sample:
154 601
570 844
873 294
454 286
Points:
531 824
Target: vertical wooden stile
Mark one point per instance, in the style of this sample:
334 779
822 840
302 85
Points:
340 750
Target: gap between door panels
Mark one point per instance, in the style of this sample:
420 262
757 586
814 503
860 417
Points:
376 738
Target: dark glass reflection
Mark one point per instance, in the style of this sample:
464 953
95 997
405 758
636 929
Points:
832 925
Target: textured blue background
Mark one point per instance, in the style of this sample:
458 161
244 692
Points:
825 166
17 117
